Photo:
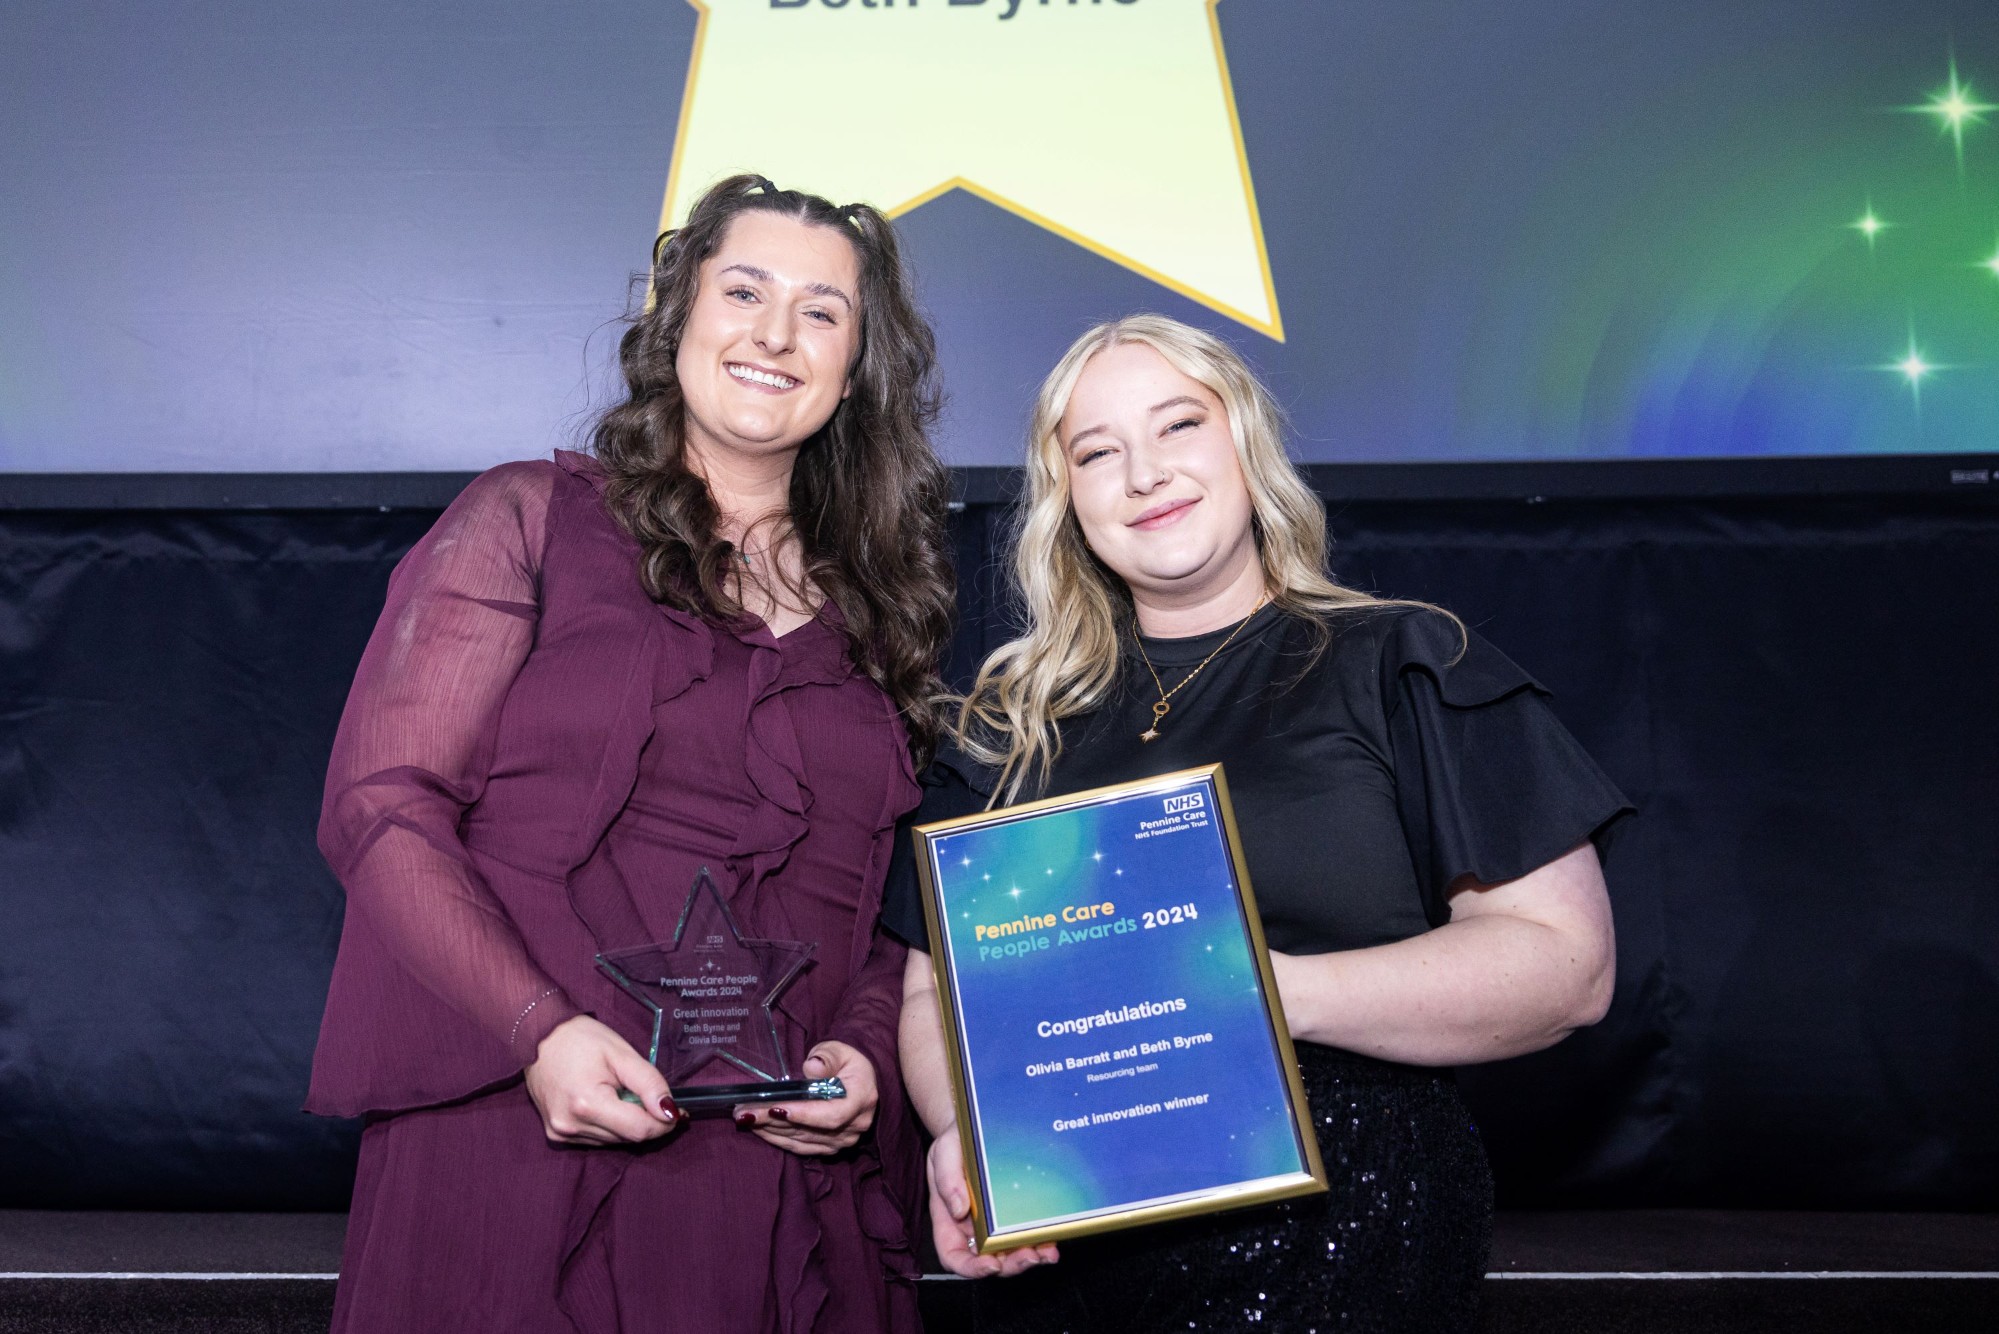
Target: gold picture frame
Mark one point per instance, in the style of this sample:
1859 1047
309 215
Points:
1271 1061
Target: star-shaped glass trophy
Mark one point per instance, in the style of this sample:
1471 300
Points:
711 991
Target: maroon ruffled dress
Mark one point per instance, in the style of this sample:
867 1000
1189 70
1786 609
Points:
534 763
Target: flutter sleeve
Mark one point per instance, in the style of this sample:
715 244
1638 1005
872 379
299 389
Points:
413 751
947 794
1488 783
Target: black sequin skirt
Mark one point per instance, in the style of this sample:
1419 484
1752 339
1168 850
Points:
1397 1245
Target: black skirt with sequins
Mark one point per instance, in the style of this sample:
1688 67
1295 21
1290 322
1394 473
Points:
1398 1245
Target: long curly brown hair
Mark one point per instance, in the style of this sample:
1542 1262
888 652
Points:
868 495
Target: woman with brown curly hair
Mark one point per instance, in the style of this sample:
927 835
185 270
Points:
711 645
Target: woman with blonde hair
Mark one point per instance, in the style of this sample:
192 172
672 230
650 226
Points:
1420 829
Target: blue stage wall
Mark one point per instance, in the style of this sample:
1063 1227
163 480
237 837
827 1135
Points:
371 235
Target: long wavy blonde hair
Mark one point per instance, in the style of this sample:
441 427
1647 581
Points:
1075 606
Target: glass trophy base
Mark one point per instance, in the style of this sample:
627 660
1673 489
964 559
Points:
717 1099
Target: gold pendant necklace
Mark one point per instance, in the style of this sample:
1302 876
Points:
1162 708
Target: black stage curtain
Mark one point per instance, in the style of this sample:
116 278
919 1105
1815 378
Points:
1802 695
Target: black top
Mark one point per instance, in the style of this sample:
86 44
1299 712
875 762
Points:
1365 780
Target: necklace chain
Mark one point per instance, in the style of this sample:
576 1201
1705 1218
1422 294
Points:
1162 708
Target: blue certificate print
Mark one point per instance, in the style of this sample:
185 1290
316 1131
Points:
1118 1050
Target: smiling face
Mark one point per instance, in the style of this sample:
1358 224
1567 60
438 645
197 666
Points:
773 329
1155 482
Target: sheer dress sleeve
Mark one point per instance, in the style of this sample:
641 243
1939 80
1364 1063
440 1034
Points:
1488 783
870 1009
414 747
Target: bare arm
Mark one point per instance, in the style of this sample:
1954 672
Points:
1519 966
926 1075
922 1044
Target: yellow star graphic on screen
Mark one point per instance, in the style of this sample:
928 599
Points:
1109 122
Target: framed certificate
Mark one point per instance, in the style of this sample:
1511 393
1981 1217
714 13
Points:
1118 1051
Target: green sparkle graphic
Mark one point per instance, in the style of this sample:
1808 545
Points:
1914 368
1941 238
1869 224
1955 106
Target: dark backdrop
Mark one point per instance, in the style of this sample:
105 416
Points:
1801 694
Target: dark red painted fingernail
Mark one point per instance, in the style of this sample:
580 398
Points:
668 1108
745 1119
779 1114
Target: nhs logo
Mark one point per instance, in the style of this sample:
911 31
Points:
1186 801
